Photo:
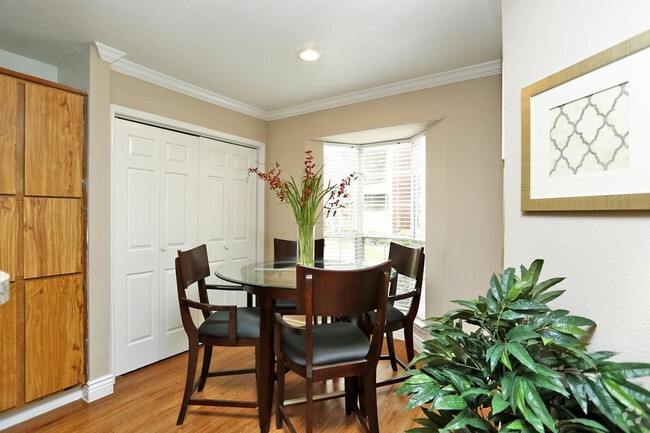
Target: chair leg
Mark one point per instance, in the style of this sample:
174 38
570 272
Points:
205 368
391 350
370 392
279 400
350 398
192 359
309 407
408 341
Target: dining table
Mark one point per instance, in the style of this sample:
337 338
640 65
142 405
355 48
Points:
269 281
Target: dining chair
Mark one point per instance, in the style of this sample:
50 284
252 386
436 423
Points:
284 249
407 262
319 352
223 325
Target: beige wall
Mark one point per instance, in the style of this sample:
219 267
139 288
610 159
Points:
605 256
464 170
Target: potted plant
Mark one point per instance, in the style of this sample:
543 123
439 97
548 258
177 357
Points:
508 362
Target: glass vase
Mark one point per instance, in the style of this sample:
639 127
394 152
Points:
306 252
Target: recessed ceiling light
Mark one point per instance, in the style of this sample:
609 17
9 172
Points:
308 55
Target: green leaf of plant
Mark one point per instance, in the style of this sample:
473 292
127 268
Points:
507 384
492 303
469 304
507 281
460 383
466 418
569 329
606 404
534 271
493 354
546 382
526 305
559 338
545 298
602 355
505 360
592 425
640 394
449 402
537 405
578 387
517 289
495 285
513 315
545 285
623 397
516 425
627 369
521 333
518 351
498 403
576 320
424 394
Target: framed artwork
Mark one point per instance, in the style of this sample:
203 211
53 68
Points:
586 133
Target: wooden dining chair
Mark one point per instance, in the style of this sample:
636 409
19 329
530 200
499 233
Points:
409 263
325 351
224 325
286 250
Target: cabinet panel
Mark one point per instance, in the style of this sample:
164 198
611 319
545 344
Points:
53 142
9 220
8 133
8 352
52 236
54 335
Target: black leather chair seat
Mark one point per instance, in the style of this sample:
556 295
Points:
248 324
333 342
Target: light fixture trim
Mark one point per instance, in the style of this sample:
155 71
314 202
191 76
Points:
309 54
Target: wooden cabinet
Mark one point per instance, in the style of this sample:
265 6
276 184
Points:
42 238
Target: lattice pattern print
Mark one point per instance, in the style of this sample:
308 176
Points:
590 134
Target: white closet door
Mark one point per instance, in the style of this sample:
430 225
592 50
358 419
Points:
178 229
155 209
227 211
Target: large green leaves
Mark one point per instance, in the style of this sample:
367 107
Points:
506 361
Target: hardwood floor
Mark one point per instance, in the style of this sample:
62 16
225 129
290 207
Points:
148 400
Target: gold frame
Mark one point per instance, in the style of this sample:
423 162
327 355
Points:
603 202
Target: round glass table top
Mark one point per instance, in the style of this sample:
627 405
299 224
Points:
280 274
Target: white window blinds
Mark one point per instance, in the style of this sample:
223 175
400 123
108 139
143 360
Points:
387 202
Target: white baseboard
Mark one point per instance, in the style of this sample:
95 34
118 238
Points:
40 407
98 388
91 391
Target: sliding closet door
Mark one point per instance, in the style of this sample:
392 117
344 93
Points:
154 215
227 210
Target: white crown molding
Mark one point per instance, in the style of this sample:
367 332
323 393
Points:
457 75
137 71
107 53
171 83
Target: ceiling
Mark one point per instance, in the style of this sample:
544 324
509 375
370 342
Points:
244 51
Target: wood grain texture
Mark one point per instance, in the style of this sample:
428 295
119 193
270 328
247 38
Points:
9 230
8 350
54 151
148 400
52 236
8 133
54 335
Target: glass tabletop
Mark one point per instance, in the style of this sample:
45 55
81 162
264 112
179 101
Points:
280 274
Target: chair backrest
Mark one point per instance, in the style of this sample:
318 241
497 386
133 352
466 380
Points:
284 249
326 292
192 266
408 262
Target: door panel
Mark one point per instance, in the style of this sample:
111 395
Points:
8 351
54 328
54 124
136 246
8 133
52 236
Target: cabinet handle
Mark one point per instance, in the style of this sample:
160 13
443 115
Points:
225 245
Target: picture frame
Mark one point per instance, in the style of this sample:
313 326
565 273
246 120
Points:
586 133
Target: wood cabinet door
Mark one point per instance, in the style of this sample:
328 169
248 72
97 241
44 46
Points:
8 133
54 121
8 349
54 334
52 236
9 229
